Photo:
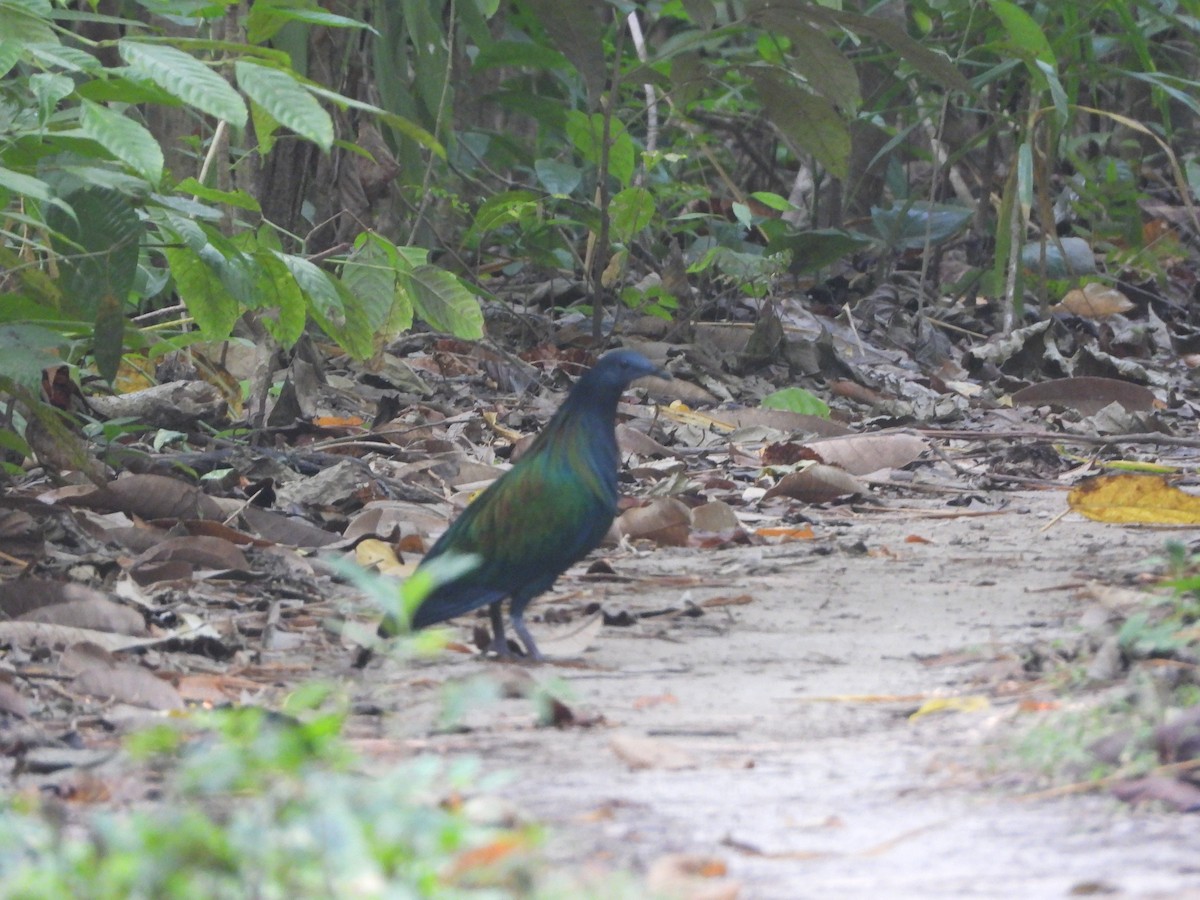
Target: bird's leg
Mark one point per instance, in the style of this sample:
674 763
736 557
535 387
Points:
531 648
499 640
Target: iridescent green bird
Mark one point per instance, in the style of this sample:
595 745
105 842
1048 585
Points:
549 510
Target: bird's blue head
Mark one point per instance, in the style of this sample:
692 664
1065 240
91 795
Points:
617 369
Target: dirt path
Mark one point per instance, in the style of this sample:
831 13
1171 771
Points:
808 798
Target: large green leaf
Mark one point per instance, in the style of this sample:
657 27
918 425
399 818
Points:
124 138
27 349
287 101
632 210
200 288
284 311
442 301
27 22
185 77
808 122
97 247
370 275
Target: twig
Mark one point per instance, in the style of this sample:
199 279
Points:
1148 437
1083 787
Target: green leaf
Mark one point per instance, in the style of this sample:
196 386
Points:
796 400
587 134
280 298
632 210
319 287
910 227
1026 36
808 122
109 336
558 178
811 250
58 56
238 199
406 127
266 17
287 101
27 22
27 349
10 53
98 247
124 138
208 301
23 184
370 275
826 69
185 77
772 201
576 29
441 300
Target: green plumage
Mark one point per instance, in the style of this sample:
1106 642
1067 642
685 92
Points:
551 509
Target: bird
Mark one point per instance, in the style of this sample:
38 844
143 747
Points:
549 510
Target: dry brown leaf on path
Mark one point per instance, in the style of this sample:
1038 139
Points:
817 483
1088 394
1130 499
664 520
688 876
650 753
862 454
67 604
151 497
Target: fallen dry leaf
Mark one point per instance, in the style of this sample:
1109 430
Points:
689 876
1094 301
1088 394
862 454
650 753
664 520
1127 499
817 483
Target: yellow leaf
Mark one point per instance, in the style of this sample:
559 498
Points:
1094 301
374 553
969 703
1134 498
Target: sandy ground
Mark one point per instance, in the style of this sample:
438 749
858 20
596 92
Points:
801 796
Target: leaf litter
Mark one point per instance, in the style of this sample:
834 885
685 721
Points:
236 601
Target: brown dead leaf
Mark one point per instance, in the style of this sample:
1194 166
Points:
1088 394
804 533
1175 793
664 520
99 614
861 454
127 683
11 702
817 483
1128 499
656 700
689 876
68 604
151 497
739 600
289 531
202 551
1094 301
639 752
715 516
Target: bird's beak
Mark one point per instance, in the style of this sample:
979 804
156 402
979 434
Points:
659 372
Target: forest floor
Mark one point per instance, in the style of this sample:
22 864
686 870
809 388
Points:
773 736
